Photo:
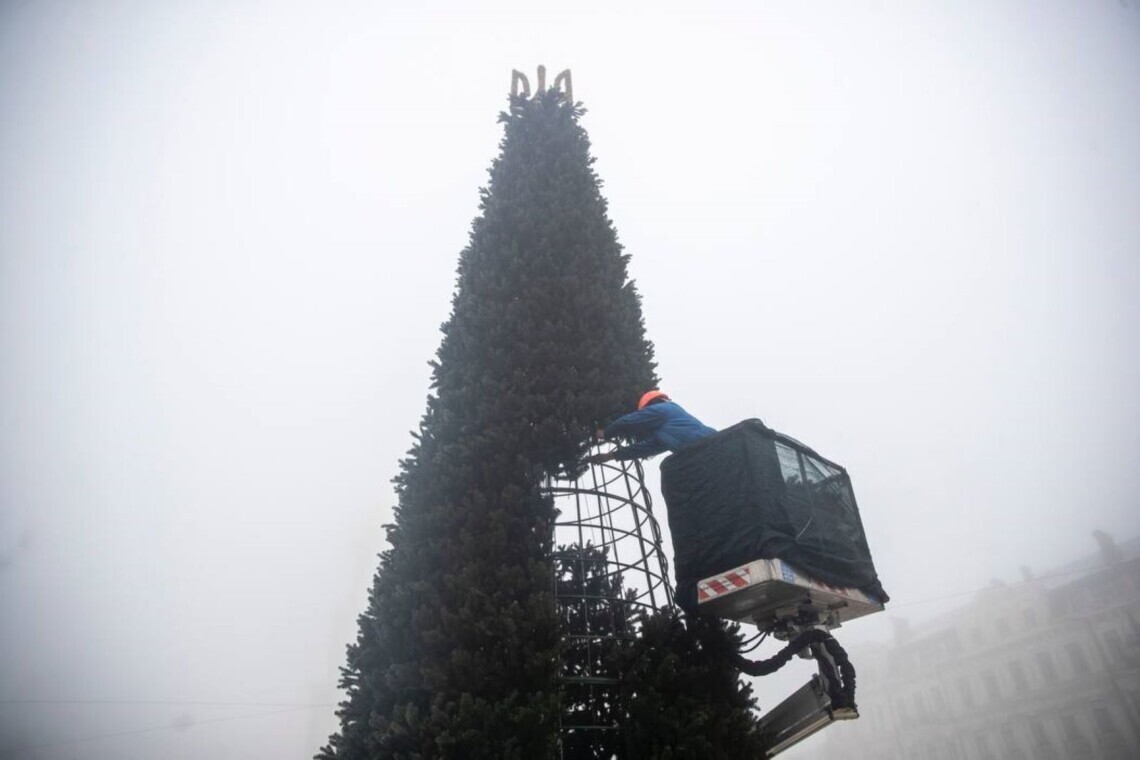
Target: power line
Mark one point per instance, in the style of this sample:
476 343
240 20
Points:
152 729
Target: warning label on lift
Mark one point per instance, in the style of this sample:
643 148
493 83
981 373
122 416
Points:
758 590
722 584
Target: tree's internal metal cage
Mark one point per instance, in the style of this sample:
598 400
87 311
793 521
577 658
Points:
610 569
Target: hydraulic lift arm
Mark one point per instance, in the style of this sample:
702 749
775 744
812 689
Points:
801 611
799 716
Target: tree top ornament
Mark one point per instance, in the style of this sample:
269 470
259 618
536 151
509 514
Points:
561 82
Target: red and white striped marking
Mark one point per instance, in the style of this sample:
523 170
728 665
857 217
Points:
828 587
710 588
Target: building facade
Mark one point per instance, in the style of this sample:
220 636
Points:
1045 668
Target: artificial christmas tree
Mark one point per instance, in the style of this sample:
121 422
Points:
459 653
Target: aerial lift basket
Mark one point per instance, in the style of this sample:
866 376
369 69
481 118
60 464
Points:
766 531
749 493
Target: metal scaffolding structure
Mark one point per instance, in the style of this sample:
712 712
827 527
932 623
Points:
610 569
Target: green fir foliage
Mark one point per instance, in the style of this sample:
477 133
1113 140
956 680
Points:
458 652
682 695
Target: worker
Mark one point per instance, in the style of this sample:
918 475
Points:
658 425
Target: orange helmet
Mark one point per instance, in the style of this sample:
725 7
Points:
649 397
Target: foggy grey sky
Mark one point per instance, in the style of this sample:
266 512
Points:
908 237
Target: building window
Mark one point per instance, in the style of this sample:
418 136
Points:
1017 673
937 700
1075 741
1048 667
953 642
1115 644
982 746
965 693
902 711
1108 733
989 679
1011 748
1008 740
920 706
1078 657
1043 746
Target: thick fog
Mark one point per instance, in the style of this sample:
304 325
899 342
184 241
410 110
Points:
908 236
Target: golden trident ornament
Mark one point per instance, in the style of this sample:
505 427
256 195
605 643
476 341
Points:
561 82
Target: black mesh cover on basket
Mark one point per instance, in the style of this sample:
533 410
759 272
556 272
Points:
749 492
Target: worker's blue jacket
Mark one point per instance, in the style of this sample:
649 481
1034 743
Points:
659 427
